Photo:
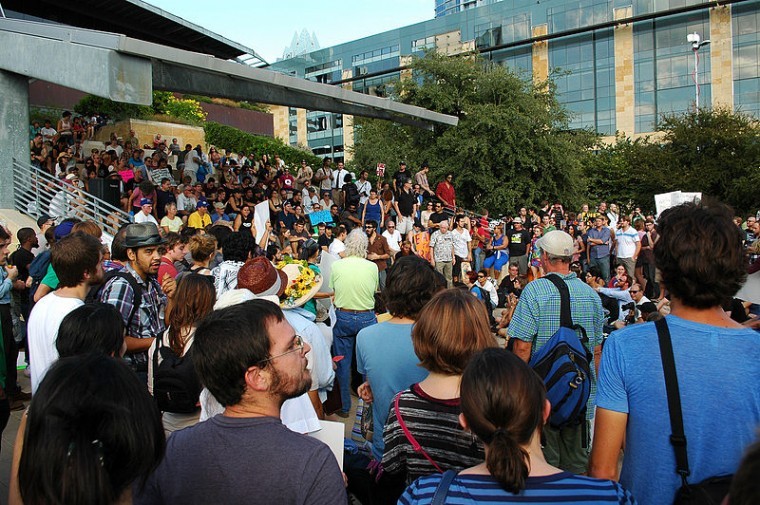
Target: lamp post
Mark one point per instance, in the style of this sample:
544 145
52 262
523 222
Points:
696 43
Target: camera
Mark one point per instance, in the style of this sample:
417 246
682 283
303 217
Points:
628 306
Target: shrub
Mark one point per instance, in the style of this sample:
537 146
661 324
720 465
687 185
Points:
238 141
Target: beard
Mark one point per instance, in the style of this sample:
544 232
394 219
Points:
290 387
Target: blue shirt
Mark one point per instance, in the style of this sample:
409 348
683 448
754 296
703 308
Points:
385 356
599 251
6 285
718 373
563 487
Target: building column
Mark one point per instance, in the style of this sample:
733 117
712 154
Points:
348 122
540 55
14 130
721 57
301 128
625 93
280 122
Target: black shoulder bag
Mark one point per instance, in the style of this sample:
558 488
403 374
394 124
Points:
712 490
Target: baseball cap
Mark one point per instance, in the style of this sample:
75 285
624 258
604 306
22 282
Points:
517 220
556 242
219 205
202 203
44 218
146 201
63 229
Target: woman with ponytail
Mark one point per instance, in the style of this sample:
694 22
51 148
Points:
504 404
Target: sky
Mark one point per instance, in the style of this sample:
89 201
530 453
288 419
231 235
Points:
268 26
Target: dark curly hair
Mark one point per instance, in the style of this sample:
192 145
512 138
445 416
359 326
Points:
410 284
700 254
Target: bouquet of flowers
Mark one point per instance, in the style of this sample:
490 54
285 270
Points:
301 280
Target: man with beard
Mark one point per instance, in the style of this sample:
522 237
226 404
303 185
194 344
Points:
251 360
137 294
77 260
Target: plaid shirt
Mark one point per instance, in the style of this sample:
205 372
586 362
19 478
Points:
149 318
536 318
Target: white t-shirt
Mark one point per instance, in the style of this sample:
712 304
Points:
626 242
393 240
142 217
42 332
336 247
460 242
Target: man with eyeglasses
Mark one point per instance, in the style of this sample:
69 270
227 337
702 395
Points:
253 455
629 299
437 217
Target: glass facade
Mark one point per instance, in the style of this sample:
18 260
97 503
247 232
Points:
580 47
746 46
584 72
664 76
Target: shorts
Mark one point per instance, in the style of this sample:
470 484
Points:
405 225
567 448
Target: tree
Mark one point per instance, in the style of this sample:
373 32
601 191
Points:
712 151
511 146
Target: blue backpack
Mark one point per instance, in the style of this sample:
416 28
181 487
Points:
563 363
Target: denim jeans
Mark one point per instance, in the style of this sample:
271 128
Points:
347 325
604 266
478 255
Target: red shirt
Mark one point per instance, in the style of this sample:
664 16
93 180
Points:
166 267
445 192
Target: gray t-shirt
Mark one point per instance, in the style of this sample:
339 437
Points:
243 460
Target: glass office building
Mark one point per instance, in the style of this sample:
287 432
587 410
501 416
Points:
618 64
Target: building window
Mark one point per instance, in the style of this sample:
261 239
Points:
383 53
746 35
423 44
585 79
664 66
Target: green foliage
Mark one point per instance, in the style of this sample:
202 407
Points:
238 141
115 110
511 146
188 111
185 108
715 152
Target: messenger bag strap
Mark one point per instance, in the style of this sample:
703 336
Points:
677 437
408 434
439 498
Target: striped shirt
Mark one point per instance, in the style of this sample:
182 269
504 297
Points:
435 425
536 317
563 487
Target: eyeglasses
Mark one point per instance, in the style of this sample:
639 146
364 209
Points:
298 344
633 291
369 227
481 276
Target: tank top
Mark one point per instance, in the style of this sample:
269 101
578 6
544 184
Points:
373 212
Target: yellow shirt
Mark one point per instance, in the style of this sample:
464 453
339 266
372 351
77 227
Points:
197 221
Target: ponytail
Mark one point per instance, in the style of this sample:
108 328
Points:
507 462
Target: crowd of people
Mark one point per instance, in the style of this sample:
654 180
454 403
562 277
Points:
188 360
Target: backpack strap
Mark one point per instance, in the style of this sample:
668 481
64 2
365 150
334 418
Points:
565 316
136 290
415 445
677 437
439 498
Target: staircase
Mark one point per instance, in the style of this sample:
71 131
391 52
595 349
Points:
36 192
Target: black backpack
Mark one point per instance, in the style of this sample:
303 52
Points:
352 194
176 387
94 294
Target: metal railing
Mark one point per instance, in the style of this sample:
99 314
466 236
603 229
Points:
36 192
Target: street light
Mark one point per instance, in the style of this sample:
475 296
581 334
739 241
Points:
696 43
